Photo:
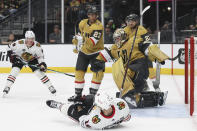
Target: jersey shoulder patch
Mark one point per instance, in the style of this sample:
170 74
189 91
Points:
38 44
96 119
121 105
21 42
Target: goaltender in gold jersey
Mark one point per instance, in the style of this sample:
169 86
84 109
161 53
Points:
89 42
137 74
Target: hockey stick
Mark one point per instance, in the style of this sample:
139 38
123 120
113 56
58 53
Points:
127 65
35 66
156 83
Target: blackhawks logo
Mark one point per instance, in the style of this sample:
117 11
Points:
27 56
95 119
121 105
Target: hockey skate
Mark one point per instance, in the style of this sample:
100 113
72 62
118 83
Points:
53 104
52 90
75 98
6 91
162 98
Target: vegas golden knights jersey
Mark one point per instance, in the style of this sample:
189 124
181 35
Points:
131 32
92 36
124 51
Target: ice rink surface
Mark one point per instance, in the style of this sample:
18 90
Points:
24 109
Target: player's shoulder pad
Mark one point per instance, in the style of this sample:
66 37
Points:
82 23
126 29
97 25
113 47
142 30
21 41
38 44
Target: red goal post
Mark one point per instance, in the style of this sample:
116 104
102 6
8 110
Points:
190 72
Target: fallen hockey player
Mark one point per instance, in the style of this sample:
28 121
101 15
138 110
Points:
102 113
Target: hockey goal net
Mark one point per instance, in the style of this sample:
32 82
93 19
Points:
191 73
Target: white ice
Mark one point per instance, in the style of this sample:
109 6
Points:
24 109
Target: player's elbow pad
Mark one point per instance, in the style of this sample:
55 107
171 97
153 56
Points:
144 46
106 55
155 54
74 41
9 53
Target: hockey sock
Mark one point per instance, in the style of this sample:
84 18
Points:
44 79
79 87
12 77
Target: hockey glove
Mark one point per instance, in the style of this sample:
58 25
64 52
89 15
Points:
43 66
97 65
79 39
13 58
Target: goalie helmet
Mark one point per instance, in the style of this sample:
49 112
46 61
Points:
119 37
104 101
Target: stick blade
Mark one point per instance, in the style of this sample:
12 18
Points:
145 9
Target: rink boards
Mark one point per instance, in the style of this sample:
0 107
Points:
60 57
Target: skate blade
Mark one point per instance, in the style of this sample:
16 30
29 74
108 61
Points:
165 97
4 94
54 94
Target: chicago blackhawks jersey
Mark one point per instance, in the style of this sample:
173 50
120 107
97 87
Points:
26 54
92 36
97 120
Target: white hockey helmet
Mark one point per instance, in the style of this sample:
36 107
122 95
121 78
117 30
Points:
104 101
29 34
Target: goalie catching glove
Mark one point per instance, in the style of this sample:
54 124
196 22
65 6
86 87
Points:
43 67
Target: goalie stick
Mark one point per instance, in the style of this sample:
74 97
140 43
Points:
156 83
127 65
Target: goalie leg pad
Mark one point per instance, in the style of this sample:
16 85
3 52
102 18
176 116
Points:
118 72
151 99
140 67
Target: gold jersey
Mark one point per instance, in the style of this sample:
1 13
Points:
125 50
92 36
131 32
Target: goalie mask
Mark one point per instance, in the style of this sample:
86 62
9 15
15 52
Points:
104 101
119 37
